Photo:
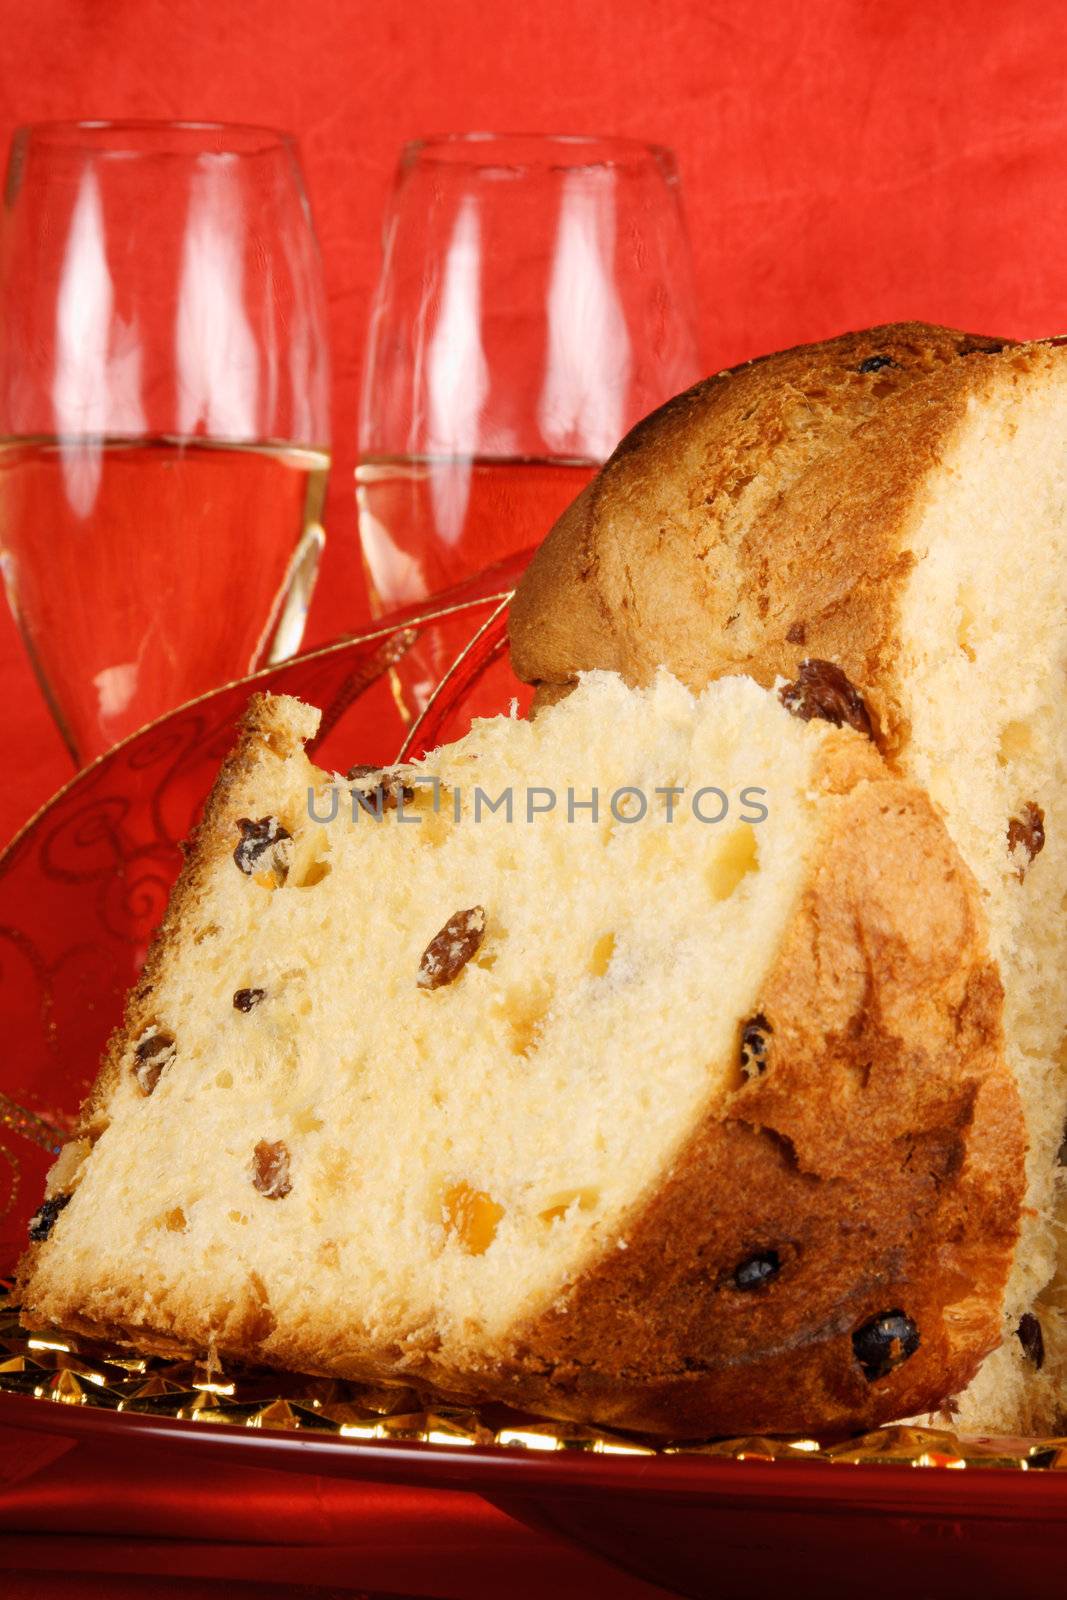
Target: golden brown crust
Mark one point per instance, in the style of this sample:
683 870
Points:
879 1155
759 519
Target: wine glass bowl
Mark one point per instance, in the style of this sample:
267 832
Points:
535 300
164 405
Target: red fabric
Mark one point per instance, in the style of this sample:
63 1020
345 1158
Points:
844 163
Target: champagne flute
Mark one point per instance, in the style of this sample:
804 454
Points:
535 301
164 412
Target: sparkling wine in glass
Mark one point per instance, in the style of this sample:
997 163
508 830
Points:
535 301
163 413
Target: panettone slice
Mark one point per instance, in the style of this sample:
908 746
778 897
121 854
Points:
679 1106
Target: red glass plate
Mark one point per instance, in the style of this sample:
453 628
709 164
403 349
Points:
81 889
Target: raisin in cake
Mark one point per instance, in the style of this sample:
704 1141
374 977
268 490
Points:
681 1124
890 506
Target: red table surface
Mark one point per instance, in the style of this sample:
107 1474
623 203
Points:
383 1538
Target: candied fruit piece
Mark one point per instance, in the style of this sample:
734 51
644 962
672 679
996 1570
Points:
601 954
471 1215
524 1010
559 1204
1016 739
736 858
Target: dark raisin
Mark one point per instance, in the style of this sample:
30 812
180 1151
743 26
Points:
755 1042
1028 830
885 1342
154 1050
257 840
270 1169
822 690
43 1220
1031 1338
245 999
876 363
757 1270
385 792
797 633
449 951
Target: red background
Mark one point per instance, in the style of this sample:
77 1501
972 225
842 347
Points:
845 162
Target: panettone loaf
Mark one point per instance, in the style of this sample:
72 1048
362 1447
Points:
690 1116
893 505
